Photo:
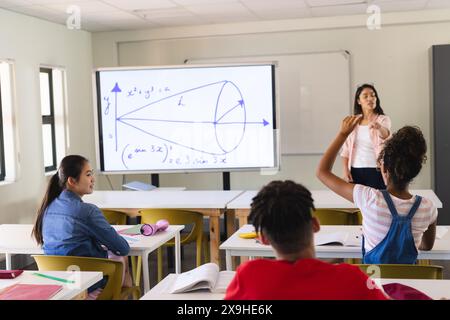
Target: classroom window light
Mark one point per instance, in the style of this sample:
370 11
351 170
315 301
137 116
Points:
8 134
52 90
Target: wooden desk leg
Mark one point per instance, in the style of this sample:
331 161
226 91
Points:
81 296
242 215
214 235
231 229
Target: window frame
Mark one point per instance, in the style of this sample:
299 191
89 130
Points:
2 144
50 119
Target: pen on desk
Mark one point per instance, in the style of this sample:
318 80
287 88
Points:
53 278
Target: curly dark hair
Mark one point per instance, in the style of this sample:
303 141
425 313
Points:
403 156
282 210
357 107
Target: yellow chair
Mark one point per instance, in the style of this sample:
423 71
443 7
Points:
336 217
179 217
111 268
401 271
115 217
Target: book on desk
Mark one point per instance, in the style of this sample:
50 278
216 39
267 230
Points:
204 277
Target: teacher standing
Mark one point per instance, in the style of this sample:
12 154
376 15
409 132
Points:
363 145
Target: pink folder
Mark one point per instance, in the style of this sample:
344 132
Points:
29 292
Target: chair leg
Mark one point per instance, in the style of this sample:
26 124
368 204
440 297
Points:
160 262
137 279
206 250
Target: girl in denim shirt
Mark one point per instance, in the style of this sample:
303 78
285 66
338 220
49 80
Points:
67 226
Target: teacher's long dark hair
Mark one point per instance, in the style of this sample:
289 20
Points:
71 166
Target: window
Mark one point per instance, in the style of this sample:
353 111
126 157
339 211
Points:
8 130
52 110
48 119
2 145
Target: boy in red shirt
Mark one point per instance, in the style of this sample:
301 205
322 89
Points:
281 213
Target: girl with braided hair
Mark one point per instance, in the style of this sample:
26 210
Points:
395 223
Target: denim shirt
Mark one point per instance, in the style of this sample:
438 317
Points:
74 228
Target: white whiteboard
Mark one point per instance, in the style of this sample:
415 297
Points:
314 95
185 118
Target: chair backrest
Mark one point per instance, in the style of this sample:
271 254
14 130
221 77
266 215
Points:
114 216
111 268
401 271
176 216
336 217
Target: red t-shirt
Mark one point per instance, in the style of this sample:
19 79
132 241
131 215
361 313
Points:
305 279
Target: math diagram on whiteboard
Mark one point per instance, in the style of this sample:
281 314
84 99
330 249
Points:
186 118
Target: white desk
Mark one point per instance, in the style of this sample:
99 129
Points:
323 199
236 246
162 289
16 239
209 203
436 289
83 280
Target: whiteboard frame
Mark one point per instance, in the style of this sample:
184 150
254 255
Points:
275 119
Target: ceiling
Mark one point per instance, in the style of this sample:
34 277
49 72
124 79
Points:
115 15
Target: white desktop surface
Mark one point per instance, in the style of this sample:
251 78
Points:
325 199
83 280
436 289
237 246
210 203
16 239
193 199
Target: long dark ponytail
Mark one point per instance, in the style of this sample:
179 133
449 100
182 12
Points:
70 167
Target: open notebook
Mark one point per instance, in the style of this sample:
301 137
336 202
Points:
337 238
29 291
206 276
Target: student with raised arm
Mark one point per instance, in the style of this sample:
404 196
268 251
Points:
395 222
67 226
363 145
282 214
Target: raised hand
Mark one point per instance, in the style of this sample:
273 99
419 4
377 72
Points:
349 123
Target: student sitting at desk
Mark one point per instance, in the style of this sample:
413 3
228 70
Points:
395 222
67 226
281 213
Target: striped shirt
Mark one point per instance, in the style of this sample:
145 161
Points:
377 218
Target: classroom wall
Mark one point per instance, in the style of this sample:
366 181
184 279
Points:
395 58
31 42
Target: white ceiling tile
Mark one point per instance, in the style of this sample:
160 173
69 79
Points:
283 14
141 4
45 2
195 2
434 4
179 21
399 5
85 7
259 5
339 10
14 3
218 8
164 13
327 3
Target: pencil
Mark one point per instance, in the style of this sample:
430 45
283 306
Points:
53 278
